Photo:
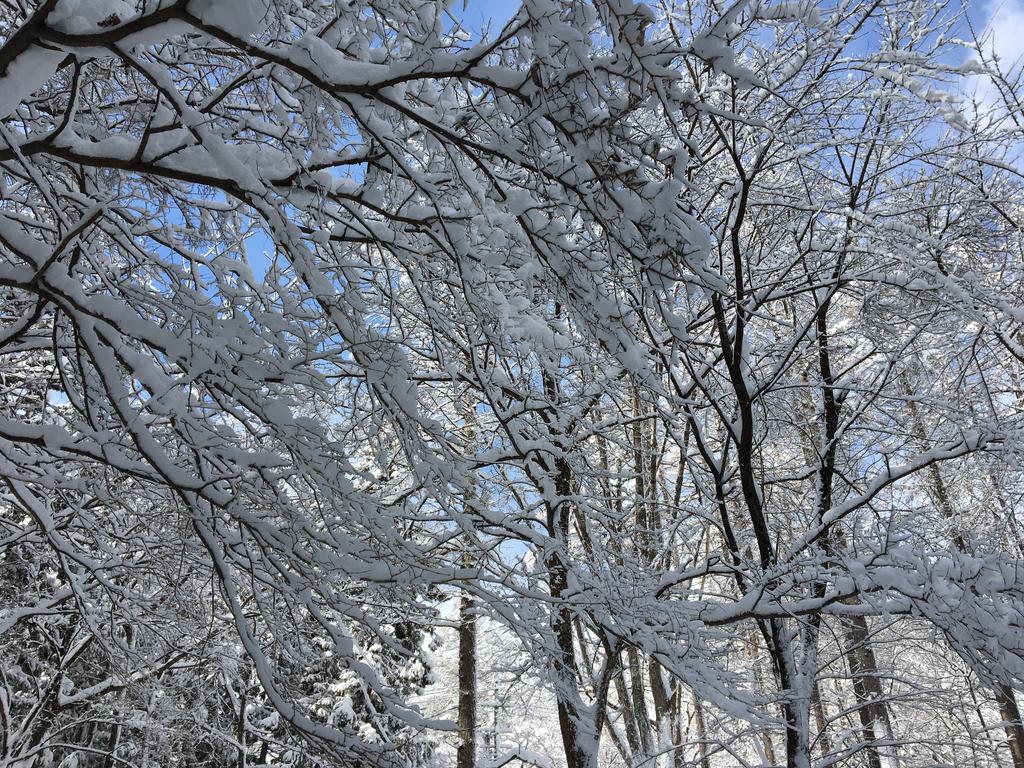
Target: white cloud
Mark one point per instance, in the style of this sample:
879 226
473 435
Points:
1005 30
1002 39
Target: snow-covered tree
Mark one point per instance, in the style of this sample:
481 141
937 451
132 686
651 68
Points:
680 345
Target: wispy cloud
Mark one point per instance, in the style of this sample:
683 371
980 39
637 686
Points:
1001 34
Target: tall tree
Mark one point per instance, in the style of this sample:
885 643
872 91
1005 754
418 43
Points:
730 295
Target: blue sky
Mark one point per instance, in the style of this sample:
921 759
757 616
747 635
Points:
476 13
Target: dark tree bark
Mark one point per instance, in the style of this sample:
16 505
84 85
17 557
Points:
466 754
867 689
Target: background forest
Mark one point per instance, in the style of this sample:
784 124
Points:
618 385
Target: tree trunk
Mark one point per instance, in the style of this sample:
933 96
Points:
466 754
243 703
866 688
702 739
821 720
759 680
640 713
1010 712
579 736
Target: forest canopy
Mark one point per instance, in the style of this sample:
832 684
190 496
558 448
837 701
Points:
619 385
